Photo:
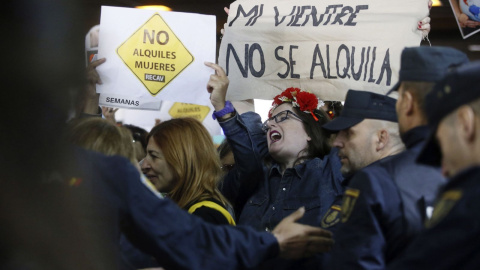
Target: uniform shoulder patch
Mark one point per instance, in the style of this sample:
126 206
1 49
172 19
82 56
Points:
332 216
447 201
349 200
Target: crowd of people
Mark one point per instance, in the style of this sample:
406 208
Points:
378 183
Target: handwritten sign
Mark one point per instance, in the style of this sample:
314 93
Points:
325 47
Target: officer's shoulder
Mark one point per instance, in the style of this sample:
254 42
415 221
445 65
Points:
375 169
372 175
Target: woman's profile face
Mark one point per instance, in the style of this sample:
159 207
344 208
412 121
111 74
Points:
156 168
287 138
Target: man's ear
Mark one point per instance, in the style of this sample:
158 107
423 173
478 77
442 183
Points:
407 103
467 123
382 139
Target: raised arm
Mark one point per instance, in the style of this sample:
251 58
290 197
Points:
247 139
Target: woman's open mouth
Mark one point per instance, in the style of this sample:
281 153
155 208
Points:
275 136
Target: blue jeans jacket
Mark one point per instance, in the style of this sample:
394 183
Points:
261 194
262 197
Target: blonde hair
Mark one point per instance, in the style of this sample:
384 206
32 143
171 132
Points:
190 153
100 135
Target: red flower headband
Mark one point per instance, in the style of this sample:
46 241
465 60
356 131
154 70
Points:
305 101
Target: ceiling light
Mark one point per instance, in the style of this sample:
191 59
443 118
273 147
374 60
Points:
437 3
155 7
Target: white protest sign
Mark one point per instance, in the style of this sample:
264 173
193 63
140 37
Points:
325 47
153 56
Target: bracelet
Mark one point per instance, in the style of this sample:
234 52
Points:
226 110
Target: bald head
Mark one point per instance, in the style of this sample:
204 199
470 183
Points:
367 142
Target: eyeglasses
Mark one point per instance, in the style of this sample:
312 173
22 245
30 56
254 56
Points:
279 117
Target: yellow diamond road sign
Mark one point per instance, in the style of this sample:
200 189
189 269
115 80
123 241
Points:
155 54
198 112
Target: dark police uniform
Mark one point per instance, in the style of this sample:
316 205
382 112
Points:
453 235
451 239
384 207
114 199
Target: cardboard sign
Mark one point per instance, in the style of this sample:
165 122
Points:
153 56
325 47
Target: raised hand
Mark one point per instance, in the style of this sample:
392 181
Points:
217 86
89 102
109 114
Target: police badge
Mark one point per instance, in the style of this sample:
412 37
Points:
332 216
349 200
443 206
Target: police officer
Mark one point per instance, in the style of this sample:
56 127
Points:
420 68
452 235
367 136
408 187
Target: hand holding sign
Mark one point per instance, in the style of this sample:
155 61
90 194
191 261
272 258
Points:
90 100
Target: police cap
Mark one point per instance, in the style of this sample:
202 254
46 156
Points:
459 87
427 64
360 105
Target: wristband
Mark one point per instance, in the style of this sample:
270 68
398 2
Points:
226 110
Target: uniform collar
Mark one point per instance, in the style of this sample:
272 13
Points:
415 135
463 176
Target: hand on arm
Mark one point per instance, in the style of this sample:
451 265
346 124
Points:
297 241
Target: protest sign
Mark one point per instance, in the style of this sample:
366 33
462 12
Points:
146 118
467 14
153 56
325 47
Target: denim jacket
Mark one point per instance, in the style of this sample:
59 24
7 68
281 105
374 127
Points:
261 195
